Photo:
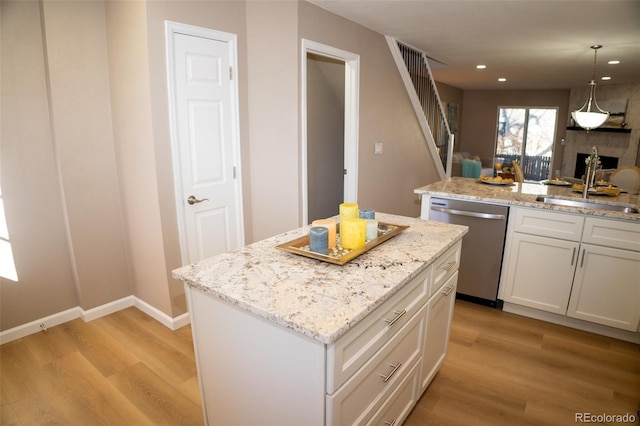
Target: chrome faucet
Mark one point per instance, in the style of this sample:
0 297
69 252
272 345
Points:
593 161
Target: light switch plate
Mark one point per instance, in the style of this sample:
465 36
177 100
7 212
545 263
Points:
378 148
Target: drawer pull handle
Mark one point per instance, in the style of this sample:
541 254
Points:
391 423
448 290
391 373
449 265
399 315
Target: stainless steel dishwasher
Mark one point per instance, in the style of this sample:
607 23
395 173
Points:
482 246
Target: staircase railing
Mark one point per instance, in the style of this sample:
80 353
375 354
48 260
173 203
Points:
421 87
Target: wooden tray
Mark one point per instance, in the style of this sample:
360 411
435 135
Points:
301 245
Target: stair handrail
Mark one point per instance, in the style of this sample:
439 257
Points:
430 112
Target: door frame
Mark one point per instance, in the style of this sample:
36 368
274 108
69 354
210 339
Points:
172 28
351 114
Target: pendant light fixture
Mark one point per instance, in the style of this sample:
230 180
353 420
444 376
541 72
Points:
590 116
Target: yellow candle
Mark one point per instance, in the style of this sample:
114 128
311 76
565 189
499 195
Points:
353 232
330 224
348 210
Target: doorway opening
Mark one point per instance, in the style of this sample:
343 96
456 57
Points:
329 152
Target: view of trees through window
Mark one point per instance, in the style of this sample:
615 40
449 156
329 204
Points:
527 135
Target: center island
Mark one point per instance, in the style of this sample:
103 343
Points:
285 339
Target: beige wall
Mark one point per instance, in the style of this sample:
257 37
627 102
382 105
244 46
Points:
385 182
274 114
33 201
87 173
135 152
480 112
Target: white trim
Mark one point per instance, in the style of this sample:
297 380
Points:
158 315
107 308
415 102
351 118
35 326
172 28
92 314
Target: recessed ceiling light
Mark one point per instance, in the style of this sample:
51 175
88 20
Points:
501 79
614 62
606 77
481 67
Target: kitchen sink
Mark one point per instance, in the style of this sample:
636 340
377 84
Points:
587 204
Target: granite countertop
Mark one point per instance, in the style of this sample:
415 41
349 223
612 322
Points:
524 194
315 298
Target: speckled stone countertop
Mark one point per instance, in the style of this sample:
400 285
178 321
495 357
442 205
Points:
315 298
524 194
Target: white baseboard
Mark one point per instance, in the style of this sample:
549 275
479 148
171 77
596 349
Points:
39 325
107 308
91 314
172 323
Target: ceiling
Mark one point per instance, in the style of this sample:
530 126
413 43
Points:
534 44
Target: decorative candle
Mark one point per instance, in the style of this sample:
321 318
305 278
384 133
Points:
353 232
330 224
367 214
372 229
319 239
348 210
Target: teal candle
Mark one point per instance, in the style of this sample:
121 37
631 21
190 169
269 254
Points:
367 214
319 239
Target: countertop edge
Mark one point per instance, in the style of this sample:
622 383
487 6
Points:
351 321
528 201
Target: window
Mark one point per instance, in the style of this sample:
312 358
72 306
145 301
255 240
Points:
7 265
527 135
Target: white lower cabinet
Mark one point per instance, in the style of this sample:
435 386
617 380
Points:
539 273
598 296
590 271
253 371
437 331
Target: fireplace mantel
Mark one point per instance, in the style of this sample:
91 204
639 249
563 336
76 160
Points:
602 129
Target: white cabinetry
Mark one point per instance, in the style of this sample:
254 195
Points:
583 267
606 287
441 300
538 270
253 371
438 327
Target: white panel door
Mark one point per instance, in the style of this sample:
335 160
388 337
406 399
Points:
210 189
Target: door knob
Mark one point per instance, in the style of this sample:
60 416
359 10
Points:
193 200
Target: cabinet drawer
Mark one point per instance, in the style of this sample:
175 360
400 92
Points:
546 223
362 395
612 233
351 351
400 403
445 267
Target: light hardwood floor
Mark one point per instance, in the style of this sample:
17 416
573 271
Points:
502 369
122 369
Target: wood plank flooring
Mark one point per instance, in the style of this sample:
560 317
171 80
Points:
122 369
502 369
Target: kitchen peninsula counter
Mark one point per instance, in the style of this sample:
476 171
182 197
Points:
524 194
314 298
